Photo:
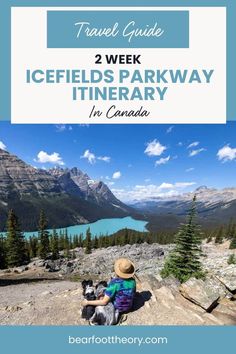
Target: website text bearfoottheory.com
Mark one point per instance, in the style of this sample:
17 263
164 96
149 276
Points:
117 340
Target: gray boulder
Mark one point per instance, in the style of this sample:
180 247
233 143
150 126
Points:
53 266
21 269
228 277
203 293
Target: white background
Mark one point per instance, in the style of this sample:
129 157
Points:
52 103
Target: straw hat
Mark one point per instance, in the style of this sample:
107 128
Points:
124 268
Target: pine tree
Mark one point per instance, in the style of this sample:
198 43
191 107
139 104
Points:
16 253
232 245
80 243
220 235
43 236
88 242
33 246
126 237
184 261
230 229
2 252
95 242
55 245
232 233
70 242
61 241
100 241
75 241
66 244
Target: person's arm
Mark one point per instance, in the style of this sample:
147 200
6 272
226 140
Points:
101 302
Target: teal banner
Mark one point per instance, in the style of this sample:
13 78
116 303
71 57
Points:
117 29
116 340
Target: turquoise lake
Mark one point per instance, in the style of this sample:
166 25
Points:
102 227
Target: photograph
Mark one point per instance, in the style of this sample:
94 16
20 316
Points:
117 176
117 225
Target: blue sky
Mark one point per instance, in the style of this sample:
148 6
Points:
136 161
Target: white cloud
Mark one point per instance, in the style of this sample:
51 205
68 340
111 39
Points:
226 153
89 156
104 158
190 169
54 158
2 146
184 184
180 143
165 185
154 148
194 144
196 152
116 175
60 128
152 191
147 180
169 130
162 161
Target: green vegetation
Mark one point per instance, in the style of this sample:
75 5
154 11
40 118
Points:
15 250
184 261
3 261
220 235
43 236
231 235
88 242
233 242
232 259
62 210
54 245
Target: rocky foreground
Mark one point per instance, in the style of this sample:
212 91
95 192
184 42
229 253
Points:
49 293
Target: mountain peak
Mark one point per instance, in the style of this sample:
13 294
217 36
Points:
18 178
27 189
202 189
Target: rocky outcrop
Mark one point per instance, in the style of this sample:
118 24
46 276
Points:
228 277
158 301
59 303
17 179
69 196
75 182
204 293
148 259
226 312
100 263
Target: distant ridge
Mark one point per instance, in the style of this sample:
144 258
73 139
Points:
215 207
